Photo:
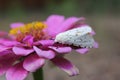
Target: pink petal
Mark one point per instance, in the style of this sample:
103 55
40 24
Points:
17 72
4 68
70 23
15 25
10 43
6 61
65 65
5 64
54 22
93 33
82 50
46 54
5 52
28 39
33 62
96 45
67 24
78 23
7 58
61 49
22 51
45 42
3 48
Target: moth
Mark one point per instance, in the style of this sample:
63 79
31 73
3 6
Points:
79 37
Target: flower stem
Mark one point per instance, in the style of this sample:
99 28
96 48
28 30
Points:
38 75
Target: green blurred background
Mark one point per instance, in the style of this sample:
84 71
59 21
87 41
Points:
104 17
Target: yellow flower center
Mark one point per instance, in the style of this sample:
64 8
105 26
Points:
27 28
35 29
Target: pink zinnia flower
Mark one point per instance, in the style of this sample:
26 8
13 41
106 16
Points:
31 44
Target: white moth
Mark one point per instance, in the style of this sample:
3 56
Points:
79 37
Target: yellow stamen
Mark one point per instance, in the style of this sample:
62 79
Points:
27 28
